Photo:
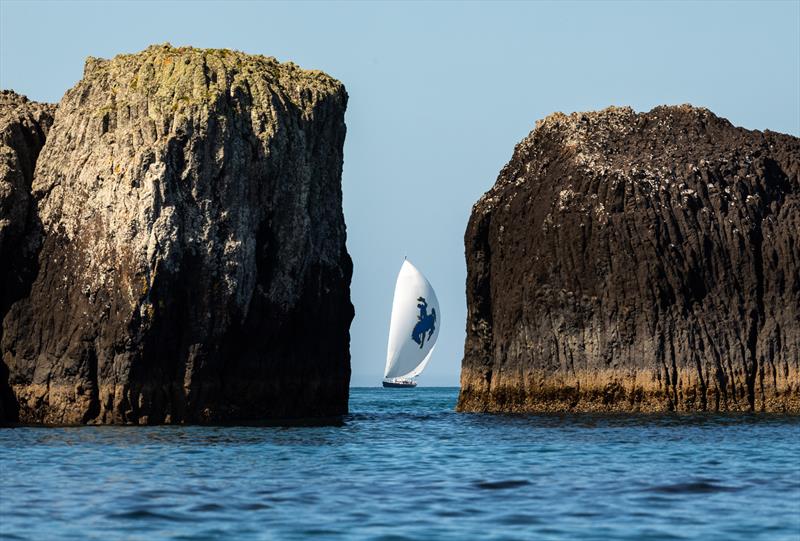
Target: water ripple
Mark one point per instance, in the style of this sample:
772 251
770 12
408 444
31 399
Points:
403 465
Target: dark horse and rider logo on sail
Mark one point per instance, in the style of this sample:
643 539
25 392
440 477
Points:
426 323
413 330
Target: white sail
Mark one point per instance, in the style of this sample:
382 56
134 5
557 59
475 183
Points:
414 326
418 370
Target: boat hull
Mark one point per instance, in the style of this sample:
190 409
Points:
400 384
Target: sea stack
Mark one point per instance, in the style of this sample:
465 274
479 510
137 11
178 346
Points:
191 246
631 261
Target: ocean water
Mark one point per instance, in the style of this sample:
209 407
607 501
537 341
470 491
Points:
404 465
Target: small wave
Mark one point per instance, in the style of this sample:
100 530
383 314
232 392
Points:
146 514
393 537
693 487
256 506
500 485
519 519
207 508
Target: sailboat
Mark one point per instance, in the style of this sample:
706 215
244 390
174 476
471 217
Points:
413 330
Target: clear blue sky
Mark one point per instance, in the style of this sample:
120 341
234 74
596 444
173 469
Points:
439 95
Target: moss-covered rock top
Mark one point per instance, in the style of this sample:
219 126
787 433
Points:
180 77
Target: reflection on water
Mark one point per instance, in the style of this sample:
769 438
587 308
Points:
403 465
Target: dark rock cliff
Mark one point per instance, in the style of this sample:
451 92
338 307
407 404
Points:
193 265
23 129
628 262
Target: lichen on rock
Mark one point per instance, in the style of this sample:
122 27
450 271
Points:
193 267
631 261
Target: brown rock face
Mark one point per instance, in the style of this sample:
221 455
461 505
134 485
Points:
193 266
637 262
23 129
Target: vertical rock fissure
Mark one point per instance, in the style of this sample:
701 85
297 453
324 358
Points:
93 409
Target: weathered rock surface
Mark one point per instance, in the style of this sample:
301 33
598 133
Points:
23 129
193 266
637 262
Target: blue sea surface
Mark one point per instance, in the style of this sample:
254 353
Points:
404 465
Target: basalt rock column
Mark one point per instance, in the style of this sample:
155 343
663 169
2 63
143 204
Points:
23 129
637 262
193 267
